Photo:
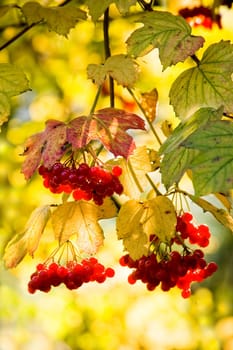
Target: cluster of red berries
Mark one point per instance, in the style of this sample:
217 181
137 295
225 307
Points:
84 182
200 16
170 269
199 235
176 270
73 275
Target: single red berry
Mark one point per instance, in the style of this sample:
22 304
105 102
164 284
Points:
117 170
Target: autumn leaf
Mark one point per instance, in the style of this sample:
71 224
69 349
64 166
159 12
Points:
207 84
12 82
149 103
28 240
109 126
59 19
137 221
134 171
120 67
81 219
47 147
170 34
220 214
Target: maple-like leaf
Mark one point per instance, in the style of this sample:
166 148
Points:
178 158
28 240
58 19
107 125
12 82
137 221
120 67
169 33
47 147
81 219
207 84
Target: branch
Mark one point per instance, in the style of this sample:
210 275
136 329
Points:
108 54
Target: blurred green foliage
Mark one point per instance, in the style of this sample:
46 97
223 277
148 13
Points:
115 316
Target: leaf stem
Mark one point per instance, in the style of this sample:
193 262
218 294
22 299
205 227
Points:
153 186
147 119
95 100
195 59
108 54
134 176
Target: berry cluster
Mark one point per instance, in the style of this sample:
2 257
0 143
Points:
84 182
73 275
200 16
199 235
169 267
176 270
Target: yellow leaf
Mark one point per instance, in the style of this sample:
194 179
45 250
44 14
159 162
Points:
220 214
137 221
81 218
149 102
28 240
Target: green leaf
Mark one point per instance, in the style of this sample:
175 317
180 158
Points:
12 82
213 166
28 240
58 19
81 219
170 34
208 84
177 158
121 68
4 108
137 221
97 8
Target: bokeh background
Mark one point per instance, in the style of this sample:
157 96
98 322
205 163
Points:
113 315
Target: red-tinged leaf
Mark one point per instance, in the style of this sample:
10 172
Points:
46 147
109 126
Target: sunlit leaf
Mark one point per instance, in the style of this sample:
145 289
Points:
12 80
4 108
213 166
177 158
28 240
138 220
208 84
81 219
47 146
220 214
59 19
170 34
97 8
109 126
134 171
149 102
121 68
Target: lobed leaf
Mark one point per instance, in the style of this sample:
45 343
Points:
208 84
28 240
169 33
97 8
137 221
109 126
120 67
81 219
58 19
